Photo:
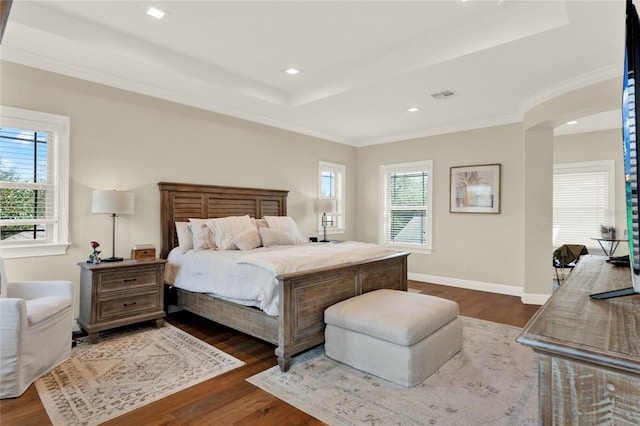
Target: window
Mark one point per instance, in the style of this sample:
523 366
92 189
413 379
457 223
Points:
583 200
331 182
406 215
34 158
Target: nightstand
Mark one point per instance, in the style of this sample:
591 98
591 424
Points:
113 294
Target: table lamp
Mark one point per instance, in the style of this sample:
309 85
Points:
114 203
325 205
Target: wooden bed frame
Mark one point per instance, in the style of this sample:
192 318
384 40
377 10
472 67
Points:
303 296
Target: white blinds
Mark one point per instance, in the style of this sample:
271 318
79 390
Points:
582 200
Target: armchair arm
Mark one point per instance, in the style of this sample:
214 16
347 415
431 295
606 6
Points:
33 289
13 312
13 317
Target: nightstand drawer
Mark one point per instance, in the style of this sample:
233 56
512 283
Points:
127 279
127 305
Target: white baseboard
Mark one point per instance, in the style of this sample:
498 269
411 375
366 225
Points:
529 299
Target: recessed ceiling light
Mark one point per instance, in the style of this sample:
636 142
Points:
572 122
292 71
156 13
413 109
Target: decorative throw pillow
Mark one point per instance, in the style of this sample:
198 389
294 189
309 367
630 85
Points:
287 223
276 237
185 237
203 238
225 228
247 239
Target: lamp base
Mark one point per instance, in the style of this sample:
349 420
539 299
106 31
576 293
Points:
113 259
324 241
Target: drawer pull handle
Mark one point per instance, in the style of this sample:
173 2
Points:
129 279
128 304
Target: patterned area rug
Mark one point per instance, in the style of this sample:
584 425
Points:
492 381
125 370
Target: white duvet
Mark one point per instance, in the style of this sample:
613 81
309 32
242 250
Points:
286 259
218 273
249 277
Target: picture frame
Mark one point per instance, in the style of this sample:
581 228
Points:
475 189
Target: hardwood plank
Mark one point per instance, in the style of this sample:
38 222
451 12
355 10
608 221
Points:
27 410
482 305
229 396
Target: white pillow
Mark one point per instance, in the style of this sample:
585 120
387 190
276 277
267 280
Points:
203 238
247 239
185 237
276 237
225 228
287 223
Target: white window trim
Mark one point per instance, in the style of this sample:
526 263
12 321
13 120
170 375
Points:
427 247
60 127
340 197
588 166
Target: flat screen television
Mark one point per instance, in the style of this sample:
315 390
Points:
630 99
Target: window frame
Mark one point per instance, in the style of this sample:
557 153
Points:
58 127
339 189
385 171
607 166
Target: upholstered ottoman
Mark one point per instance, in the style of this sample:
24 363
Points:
398 336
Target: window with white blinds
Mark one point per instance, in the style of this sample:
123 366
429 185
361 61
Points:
33 183
583 200
331 185
406 215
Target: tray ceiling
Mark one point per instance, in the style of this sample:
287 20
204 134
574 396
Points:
361 64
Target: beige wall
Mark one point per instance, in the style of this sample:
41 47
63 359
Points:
537 217
510 252
471 250
125 141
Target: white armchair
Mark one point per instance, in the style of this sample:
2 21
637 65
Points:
36 319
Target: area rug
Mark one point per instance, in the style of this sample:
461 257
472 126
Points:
125 370
492 381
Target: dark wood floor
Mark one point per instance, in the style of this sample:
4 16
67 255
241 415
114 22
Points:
229 399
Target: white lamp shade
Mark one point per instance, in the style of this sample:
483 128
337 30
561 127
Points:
112 202
326 205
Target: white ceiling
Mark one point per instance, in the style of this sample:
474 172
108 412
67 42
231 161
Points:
362 63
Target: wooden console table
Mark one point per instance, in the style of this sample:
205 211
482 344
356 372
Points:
588 350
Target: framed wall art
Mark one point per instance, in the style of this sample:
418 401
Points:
475 189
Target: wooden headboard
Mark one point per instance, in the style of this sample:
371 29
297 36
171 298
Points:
180 201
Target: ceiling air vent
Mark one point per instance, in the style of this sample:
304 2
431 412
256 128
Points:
444 95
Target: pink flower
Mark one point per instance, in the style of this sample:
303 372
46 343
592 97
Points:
95 244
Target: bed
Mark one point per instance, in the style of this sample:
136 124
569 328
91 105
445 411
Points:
303 296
